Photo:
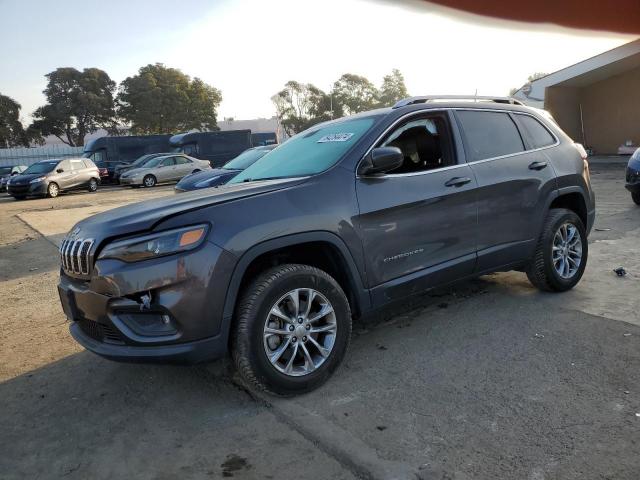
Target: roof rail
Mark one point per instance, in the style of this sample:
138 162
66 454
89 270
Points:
477 98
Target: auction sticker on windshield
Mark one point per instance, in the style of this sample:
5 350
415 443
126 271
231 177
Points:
336 137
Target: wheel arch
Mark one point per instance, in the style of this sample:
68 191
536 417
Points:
323 250
572 199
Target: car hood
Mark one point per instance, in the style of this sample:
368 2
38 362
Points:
26 178
189 182
133 171
144 216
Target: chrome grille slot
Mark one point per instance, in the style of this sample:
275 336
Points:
74 256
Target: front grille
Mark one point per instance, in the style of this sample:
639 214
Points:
100 332
19 189
74 256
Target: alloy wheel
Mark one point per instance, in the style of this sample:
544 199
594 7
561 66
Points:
300 332
567 250
53 190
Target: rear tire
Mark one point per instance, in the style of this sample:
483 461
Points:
19 197
93 185
149 181
195 171
636 197
53 190
558 265
311 340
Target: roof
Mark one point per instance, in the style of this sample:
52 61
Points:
592 70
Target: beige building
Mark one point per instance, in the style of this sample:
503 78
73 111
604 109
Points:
596 101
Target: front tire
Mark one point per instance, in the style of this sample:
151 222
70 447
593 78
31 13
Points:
149 181
561 253
293 326
635 196
53 190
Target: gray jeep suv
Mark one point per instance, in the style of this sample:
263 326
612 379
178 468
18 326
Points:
340 220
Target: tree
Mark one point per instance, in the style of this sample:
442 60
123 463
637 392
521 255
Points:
12 132
354 93
160 99
300 106
531 78
78 103
392 89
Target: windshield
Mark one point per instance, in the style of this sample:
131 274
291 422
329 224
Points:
154 162
310 152
245 159
5 170
142 160
43 167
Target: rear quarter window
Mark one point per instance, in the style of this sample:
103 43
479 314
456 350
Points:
489 134
537 133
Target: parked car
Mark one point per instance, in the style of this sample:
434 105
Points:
139 162
340 220
170 168
633 176
7 172
50 177
219 176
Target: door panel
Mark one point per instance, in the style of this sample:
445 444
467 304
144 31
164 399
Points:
65 180
410 223
511 202
514 182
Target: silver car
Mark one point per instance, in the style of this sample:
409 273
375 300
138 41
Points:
169 168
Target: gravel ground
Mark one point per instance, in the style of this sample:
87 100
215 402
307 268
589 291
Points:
486 379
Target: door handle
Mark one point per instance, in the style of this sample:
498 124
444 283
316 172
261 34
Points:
537 165
457 182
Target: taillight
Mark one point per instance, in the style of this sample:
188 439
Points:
581 150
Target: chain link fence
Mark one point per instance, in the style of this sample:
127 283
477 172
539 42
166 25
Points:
27 156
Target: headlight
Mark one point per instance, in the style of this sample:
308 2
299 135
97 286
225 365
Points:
37 180
156 244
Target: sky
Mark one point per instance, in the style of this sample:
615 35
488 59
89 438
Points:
249 48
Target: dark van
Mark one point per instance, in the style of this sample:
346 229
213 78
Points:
217 147
262 139
107 152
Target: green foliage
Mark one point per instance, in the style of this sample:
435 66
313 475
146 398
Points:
165 100
12 133
300 106
393 89
78 103
355 94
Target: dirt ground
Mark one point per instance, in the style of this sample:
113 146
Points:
486 379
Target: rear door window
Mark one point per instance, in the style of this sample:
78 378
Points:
167 162
489 134
76 165
182 160
537 133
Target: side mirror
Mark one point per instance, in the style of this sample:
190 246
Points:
60 170
381 160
